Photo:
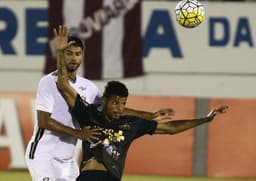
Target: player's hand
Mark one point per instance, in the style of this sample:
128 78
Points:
214 112
163 114
90 134
61 38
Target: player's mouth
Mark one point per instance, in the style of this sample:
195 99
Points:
116 114
73 64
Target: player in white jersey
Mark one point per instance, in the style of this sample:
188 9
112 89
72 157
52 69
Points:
50 152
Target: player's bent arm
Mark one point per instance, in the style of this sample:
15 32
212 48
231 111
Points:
67 91
46 122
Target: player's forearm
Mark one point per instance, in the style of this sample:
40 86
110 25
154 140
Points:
46 122
182 125
177 126
60 128
68 92
62 71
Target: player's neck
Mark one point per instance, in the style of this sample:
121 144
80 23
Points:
107 117
72 76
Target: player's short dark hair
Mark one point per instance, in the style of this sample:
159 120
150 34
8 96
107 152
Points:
78 41
115 88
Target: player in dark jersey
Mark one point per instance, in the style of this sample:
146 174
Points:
104 157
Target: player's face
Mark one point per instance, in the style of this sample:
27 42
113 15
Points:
114 106
73 56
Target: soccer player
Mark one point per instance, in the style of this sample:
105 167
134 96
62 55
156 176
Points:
104 158
50 152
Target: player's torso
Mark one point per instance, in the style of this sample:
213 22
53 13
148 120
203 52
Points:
112 147
116 136
60 111
58 144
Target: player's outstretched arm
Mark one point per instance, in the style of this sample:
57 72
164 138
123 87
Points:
159 115
61 43
177 126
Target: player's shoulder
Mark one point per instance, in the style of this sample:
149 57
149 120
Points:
48 78
129 118
133 119
86 82
126 121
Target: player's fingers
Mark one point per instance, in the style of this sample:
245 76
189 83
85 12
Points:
70 43
166 112
60 30
94 129
169 110
65 30
55 32
97 133
222 109
225 107
88 128
94 137
169 113
89 140
167 117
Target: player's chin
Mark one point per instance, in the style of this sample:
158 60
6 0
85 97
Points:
72 68
116 116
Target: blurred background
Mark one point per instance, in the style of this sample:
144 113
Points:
162 63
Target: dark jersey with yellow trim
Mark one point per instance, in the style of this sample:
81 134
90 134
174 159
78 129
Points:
111 149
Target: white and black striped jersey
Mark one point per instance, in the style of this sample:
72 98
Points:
48 99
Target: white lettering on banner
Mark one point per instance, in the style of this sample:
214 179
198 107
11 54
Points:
219 45
13 139
223 44
23 34
102 16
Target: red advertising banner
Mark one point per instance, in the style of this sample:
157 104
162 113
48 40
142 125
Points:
231 148
16 125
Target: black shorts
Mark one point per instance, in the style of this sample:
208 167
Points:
96 175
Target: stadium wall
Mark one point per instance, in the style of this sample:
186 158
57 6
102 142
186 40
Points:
216 62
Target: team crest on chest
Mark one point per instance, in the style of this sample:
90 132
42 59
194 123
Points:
125 126
82 88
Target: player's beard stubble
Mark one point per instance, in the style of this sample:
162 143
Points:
72 67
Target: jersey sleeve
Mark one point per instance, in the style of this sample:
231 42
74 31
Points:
81 110
98 96
145 127
44 97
